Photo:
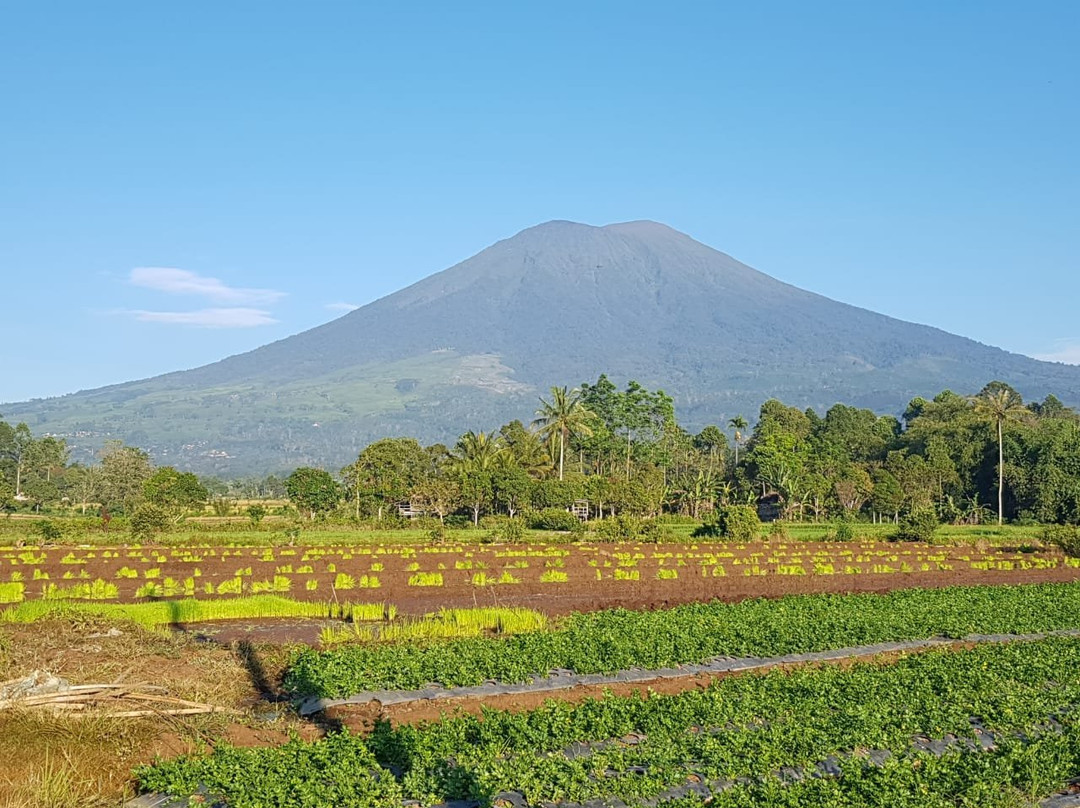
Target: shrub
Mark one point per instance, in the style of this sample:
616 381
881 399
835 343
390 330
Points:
508 530
917 525
554 519
222 507
1067 537
845 531
655 531
735 522
149 520
777 530
619 528
458 521
438 534
49 530
256 513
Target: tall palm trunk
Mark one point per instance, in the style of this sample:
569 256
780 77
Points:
1001 474
562 447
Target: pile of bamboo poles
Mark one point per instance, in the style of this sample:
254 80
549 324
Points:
115 701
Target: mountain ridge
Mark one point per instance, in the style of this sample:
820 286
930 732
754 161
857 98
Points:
472 346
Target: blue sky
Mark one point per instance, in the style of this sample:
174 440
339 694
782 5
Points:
184 181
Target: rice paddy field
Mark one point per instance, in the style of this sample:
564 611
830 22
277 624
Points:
551 673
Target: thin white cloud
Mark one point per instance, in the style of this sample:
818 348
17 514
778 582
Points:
182 282
342 306
1064 350
207 318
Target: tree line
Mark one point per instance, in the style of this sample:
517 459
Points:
611 451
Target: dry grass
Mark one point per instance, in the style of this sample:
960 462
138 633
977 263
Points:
66 761
55 761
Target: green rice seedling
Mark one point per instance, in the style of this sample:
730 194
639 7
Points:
16 577
377 567
12 592
483 579
165 612
504 620
330 636
280 583
344 581
369 582
150 589
627 575
367 612
508 578
413 567
305 569
152 573
98 590
667 574
311 585
284 569
426 579
127 572
553 577
234 586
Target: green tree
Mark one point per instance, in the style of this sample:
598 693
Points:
313 491
563 417
479 451
999 404
387 470
16 447
527 449
511 488
887 497
713 443
124 470
440 495
175 491
476 491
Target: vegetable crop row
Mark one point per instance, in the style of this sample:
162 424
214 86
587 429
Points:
609 641
741 727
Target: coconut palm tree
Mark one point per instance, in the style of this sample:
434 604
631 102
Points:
1000 404
563 416
479 451
738 423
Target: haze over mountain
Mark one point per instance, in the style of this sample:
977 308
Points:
473 346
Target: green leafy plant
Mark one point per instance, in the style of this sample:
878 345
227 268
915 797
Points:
1065 537
733 522
919 525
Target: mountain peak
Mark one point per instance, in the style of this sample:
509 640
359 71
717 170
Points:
559 303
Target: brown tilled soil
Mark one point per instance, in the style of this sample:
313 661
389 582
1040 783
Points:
87 762
596 577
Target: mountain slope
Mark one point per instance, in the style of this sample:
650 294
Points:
560 303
